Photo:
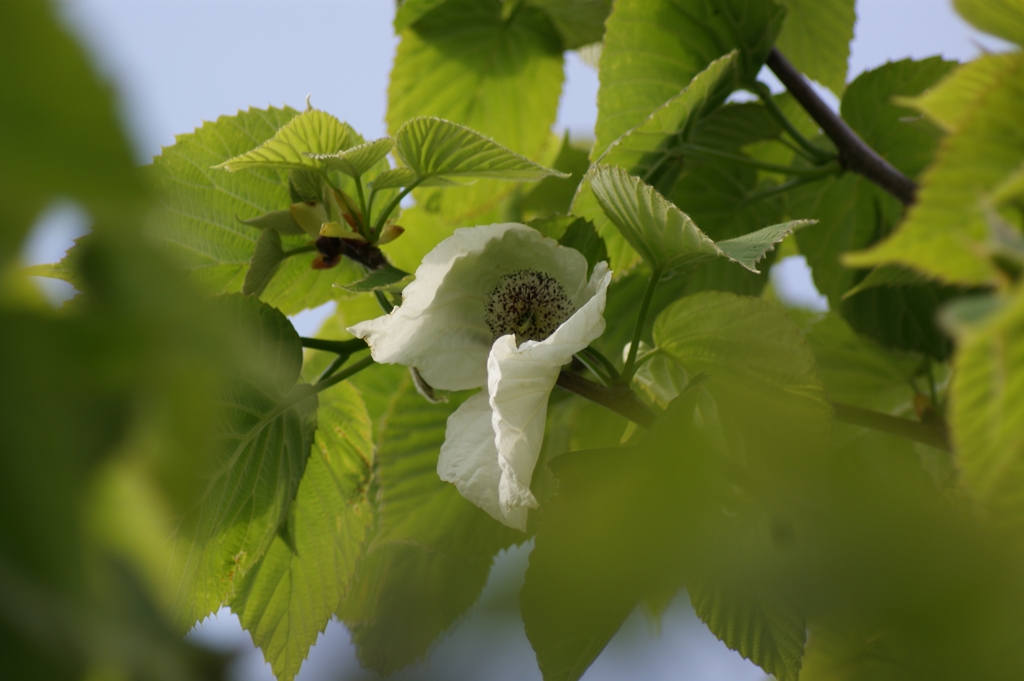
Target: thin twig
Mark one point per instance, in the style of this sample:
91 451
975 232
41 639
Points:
854 153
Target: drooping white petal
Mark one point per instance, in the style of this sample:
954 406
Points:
439 327
469 459
519 382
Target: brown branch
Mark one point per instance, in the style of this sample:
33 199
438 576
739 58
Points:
854 153
620 399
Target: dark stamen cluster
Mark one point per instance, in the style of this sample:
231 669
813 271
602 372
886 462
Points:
527 303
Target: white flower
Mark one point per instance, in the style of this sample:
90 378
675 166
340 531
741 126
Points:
504 307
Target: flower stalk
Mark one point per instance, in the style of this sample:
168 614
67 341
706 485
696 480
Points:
630 368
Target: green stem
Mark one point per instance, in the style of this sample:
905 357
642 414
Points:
369 205
762 91
933 436
382 299
392 205
797 149
627 371
648 356
308 248
595 367
345 347
786 186
699 150
364 221
343 374
931 385
338 362
617 398
595 355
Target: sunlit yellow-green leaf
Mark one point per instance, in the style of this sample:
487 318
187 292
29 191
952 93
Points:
654 48
987 403
816 39
200 208
432 147
501 76
944 233
359 159
580 22
1004 18
954 98
290 596
431 550
297 143
266 431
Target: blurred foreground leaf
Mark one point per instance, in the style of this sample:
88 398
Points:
430 552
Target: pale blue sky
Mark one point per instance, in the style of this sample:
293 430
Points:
176 63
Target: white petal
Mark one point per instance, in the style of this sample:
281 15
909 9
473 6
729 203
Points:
440 328
519 382
469 459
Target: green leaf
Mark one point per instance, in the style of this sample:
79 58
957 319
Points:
297 144
619 530
575 233
432 147
765 630
431 551
856 370
410 11
49 149
581 235
553 195
854 213
758 363
1004 18
654 48
265 260
267 429
69 269
945 229
580 22
714 194
644 149
734 126
887 275
289 597
816 39
281 221
717 193
748 249
662 234
200 208
591 556
405 177
650 150
890 128
385 278
465 63
952 100
986 413
357 160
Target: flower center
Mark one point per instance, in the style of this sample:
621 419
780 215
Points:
527 303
